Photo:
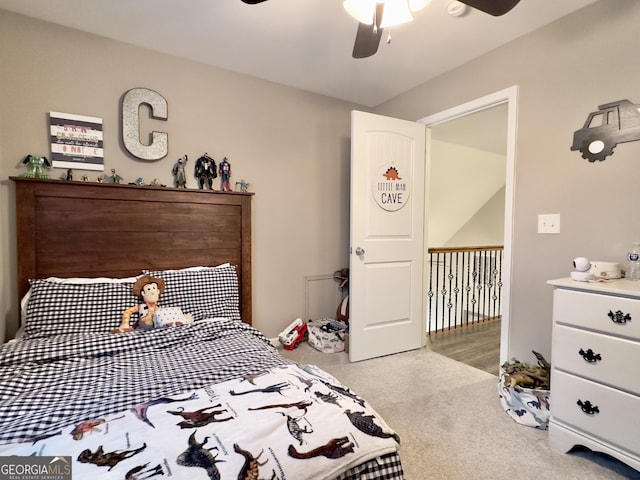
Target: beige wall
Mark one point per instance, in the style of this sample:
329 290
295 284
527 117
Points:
292 146
563 71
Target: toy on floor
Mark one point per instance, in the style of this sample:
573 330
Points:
342 279
294 334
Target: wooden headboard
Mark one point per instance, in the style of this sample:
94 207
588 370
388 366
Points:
81 229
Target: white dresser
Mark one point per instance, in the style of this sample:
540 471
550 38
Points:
595 381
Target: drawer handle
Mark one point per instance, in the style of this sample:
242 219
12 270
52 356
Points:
619 317
589 356
588 408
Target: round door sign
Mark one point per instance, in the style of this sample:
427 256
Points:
391 187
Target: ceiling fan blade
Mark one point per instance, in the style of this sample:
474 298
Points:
253 2
492 7
367 41
368 36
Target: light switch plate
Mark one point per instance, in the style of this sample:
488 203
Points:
549 223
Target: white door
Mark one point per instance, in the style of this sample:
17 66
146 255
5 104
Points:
387 236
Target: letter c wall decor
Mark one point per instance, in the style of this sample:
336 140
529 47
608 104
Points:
158 148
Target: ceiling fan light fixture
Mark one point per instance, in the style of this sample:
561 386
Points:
416 5
362 10
396 12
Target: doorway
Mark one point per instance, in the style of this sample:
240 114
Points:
503 105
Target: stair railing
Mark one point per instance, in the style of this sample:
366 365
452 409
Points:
464 286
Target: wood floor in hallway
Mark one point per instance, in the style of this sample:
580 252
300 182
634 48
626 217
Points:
477 345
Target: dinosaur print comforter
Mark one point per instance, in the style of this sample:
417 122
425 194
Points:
211 400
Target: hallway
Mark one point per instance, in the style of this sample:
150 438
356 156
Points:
477 345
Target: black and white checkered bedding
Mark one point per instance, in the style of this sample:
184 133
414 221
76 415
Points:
48 384
56 308
81 305
203 293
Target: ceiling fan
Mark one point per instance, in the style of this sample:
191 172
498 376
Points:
368 35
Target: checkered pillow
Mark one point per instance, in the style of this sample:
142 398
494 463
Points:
59 308
203 292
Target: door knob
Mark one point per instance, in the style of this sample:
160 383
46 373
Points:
359 251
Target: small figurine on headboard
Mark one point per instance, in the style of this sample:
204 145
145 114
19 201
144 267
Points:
115 178
178 172
242 186
225 175
36 166
206 171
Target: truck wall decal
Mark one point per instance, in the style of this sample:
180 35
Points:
613 123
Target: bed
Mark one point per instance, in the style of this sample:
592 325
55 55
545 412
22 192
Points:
208 398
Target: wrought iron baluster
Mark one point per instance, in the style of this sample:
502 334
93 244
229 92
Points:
430 326
449 288
465 286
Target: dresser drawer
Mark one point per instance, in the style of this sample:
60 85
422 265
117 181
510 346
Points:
617 420
599 357
604 313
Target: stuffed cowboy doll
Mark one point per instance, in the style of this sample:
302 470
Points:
149 289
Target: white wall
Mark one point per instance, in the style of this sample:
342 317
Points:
485 228
292 146
463 180
563 72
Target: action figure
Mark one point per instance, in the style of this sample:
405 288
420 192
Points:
242 186
206 171
115 178
178 172
36 166
225 175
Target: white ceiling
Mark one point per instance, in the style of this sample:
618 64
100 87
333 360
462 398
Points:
484 130
301 43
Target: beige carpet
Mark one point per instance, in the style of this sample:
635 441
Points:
451 422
